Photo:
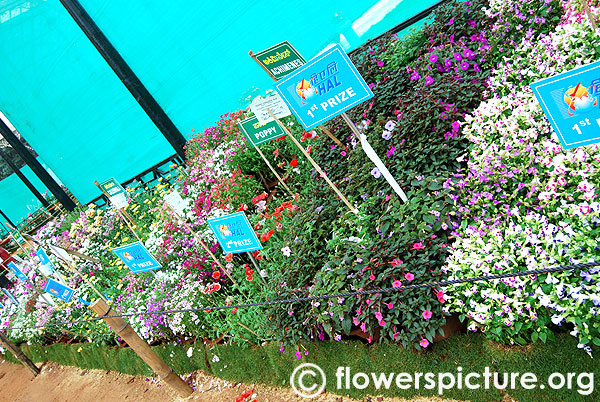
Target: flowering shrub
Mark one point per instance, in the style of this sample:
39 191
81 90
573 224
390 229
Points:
524 203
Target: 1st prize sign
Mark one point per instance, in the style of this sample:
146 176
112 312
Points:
323 88
234 233
570 101
136 257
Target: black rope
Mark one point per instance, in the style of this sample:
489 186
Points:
332 296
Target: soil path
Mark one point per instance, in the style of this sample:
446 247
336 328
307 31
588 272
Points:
72 384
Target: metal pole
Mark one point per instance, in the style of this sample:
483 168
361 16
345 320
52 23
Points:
24 179
37 168
7 219
126 75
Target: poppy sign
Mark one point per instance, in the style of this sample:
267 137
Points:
15 270
325 87
570 102
59 290
136 257
234 233
257 133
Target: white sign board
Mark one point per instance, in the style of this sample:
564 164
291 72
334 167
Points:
176 202
274 103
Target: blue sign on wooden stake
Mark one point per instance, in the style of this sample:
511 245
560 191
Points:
48 267
10 296
59 290
15 270
323 88
234 233
136 257
570 101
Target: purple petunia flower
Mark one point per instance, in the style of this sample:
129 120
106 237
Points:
429 80
433 58
464 66
476 68
414 76
387 135
458 56
376 173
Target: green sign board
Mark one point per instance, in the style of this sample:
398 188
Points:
18 238
258 133
112 187
280 60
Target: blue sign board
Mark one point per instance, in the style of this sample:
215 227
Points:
136 257
59 290
10 296
15 270
234 233
570 102
323 88
44 260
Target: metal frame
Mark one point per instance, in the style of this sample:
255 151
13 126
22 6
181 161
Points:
126 75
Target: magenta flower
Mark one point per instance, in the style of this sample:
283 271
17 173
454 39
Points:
476 68
464 66
390 152
414 76
424 343
429 80
298 355
379 316
396 284
458 56
382 323
380 63
443 115
433 58
427 314
409 276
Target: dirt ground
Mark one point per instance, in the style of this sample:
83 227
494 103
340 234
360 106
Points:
71 384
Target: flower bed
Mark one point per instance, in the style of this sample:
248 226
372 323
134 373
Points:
490 189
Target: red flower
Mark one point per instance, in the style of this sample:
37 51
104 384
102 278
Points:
267 236
229 257
294 162
417 246
216 275
396 262
249 277
242 207
234 310
309 149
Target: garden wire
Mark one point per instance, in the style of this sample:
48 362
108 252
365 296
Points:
208 309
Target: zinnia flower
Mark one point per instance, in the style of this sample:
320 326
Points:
216 275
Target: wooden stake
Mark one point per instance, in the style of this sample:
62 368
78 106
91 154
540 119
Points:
270 167
330 135
124 215
586 7
72 268
19 355
142 349
375 158
317 167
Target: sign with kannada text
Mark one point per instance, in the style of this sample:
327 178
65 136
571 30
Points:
273 103
15 270
59 290
280 60
258 133
18 237
136 257
234 233
10 297
570 102
323 88
47 265
116 193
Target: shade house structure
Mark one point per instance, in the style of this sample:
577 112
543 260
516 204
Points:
104 89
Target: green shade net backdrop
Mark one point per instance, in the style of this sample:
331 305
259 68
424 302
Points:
192 56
